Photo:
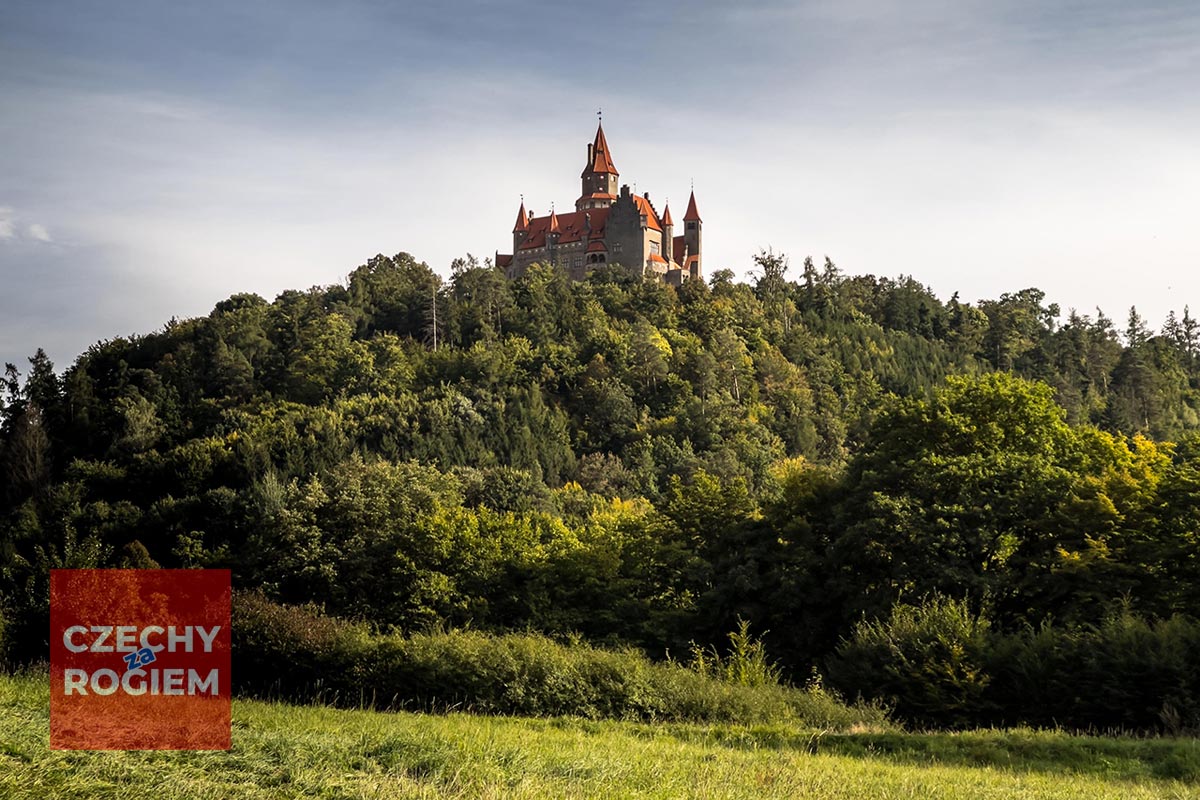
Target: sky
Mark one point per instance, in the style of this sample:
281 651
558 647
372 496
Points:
156 157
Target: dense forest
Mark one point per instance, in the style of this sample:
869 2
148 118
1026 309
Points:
852 465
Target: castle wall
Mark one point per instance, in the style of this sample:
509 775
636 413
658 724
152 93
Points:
691 238
596 183
569 257
629 242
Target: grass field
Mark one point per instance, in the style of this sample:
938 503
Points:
302 751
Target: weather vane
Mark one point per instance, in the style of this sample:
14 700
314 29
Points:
600 114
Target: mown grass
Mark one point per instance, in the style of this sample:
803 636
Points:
312 751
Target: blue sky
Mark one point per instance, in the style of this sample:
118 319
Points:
158 157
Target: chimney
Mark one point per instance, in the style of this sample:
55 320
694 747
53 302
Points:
646 195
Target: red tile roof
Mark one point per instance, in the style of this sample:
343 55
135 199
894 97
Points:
601 157
678 245
522 220
657 257
597 247
666 217
644 207
571 227
503 260
692 214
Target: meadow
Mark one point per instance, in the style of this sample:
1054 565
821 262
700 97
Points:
283 750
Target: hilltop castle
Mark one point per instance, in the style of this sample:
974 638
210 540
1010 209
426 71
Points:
607 228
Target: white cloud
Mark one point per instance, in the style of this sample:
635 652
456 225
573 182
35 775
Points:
8 229
14 229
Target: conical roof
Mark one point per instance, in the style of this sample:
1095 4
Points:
601 157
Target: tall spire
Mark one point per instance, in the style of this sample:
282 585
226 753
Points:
666 215
553 224
522 219
692 215
599 157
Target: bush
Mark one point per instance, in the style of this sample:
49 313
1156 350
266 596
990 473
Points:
939 665
926 661
746 663
297 653
4 659
1126 673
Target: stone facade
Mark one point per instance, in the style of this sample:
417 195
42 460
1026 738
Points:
607 227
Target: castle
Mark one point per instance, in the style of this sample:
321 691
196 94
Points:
607 228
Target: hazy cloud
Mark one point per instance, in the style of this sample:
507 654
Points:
182 153
8 226
11 229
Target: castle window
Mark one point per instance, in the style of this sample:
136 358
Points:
616 247
691 226
654 247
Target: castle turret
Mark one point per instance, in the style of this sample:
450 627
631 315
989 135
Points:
521 228
668 226
553 233
599 177
691 237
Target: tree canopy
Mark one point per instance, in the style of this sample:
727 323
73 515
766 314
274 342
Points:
621 459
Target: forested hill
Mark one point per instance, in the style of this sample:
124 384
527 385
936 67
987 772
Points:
604 457
613 382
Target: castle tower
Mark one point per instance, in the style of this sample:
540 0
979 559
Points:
691 237
521 228
599 177
553 234
668 238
